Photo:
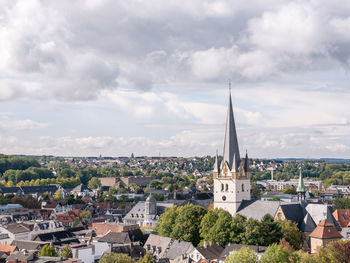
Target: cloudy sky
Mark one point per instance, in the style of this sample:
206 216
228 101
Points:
90 77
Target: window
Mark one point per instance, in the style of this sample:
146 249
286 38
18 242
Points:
226 188
222 187
242 187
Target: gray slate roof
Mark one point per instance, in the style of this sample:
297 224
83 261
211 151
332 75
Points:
28 245
178 248
116 237
211 252
257 209
308 224
293 212
138 211
155 241
318 212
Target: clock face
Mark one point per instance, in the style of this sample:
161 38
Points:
224 198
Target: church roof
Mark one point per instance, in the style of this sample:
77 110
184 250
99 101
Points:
231 151
257 209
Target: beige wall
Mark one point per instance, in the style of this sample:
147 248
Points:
316 242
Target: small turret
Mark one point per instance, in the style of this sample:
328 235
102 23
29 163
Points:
216 164
246 163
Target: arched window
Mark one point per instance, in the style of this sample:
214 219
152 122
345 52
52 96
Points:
222 187
242 187
226 188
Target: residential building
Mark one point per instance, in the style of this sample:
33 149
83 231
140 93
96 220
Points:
206 254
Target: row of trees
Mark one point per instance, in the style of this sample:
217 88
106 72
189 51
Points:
8 162
32 173
193 224
64 182
334 252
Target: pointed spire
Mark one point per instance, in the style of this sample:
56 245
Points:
301 188
246 162
231 150
216 164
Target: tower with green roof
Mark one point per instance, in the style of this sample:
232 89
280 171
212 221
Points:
301 188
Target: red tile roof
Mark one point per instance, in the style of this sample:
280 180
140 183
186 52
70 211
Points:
325 230
342 216
7 249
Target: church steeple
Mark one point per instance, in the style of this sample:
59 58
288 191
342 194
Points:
231 150
301 188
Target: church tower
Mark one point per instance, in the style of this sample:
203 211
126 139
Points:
232 176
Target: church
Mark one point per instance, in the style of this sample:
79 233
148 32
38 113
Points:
232 189
231 176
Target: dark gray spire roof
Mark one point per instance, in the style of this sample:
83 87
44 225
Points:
231 150
246 162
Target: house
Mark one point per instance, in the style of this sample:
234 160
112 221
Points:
13 231
158 246
89 253
116 239
102 228
108 181
141 181
58 206
179 251
343 218
206 254
62 237
82 191
67 218
21 257
231 248
28 245
324 233
8 249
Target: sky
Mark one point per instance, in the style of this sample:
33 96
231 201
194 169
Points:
110 77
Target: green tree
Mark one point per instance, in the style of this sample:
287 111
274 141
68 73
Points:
85 217
238 226
66 252
58 195
216 226
116 258
343 203
76 221
335 252
148 258
275 254
187 224
243 255
166 221
290 190
256 192
303 257
94 183
253 233
291 233
48 251
271 230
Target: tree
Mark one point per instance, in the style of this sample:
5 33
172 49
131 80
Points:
253 234
94 183
216 226
256 192
166 221
334 252
243 255
85 217
66 252
291 233
148 258
58 195
290 190
275 254
271 230
303 257
238 228
187 223
343 203
76 221
116 258
48 251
